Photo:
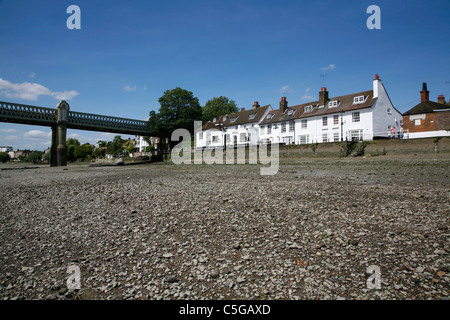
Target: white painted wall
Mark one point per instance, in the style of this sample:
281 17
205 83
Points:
384 114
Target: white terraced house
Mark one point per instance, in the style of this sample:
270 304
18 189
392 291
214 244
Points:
236 129
358 116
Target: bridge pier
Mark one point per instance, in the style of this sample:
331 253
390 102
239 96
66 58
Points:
53 149
59 134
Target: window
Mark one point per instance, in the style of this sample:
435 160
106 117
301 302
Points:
336 119
356 135
304 124
242 137
269 129
283 127
325 137
291 112
308 108
304 139
358 100
234 119
325 121
355 116
333 104
215 139
417 122
252 116
262 129
270 116
200 136
291 126
336 137
227 138
389 111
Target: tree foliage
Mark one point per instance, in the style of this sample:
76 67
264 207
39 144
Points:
4 157
218 106
115 147
34 157
179 109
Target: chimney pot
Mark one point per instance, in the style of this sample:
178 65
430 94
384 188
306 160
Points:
283 104
441 99
323 97
424 94
256 105
242 109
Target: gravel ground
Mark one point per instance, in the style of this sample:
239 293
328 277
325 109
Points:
162 231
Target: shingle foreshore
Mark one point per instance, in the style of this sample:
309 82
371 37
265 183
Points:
165 231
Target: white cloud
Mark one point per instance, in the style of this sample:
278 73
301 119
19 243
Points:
32 91
37 135
307 96
286 90
129 88
9 139
329 67
8 130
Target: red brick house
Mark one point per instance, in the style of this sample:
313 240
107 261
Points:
428 118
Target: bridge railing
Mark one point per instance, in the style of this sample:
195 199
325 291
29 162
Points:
26 113
95 121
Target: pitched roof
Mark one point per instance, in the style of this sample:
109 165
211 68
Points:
245 116
345 103
426 107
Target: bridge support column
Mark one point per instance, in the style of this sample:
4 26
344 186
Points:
61 150
59 134
54 148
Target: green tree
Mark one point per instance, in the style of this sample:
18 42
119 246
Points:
101 143
216 107
115 147
179 109
4 157
83 152
34 157
71 146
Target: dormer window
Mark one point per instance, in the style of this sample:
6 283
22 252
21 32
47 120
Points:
333 104
308 108
270 116
234 119
358 100
291 112
252 116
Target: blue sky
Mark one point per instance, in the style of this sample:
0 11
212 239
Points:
127 53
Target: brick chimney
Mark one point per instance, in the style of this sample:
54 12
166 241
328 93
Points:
242 109
424 94
256 105
323 97
283 105
441 99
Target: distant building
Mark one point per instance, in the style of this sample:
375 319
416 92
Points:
428 118
365 115
6 149
236 129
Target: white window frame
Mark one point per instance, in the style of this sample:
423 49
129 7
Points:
356 116
304 124
303 139
359 99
